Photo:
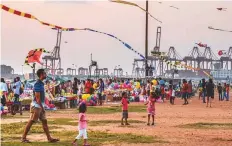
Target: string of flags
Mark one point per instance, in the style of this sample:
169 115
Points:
29 16
34 56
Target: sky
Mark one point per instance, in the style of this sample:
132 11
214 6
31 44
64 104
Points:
180 28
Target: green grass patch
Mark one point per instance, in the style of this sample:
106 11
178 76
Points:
114 109
96 138
207 126
63 121
18 128
107 122
74 122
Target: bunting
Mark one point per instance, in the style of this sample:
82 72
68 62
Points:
29 16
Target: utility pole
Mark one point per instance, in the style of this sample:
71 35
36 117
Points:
146 41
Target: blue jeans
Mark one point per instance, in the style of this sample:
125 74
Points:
224 96
227 96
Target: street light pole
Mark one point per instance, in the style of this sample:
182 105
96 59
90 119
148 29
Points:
146 41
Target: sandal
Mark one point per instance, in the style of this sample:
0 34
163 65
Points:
53 140
24 140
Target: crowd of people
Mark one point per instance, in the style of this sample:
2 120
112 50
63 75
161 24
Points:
151 90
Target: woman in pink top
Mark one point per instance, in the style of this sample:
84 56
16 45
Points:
82 125
151 108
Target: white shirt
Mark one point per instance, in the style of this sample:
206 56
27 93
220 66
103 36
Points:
3 87
173 93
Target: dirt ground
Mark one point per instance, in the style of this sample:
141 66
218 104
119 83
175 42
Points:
167 118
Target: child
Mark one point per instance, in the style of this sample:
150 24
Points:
144 94
82 124
173 96
125 103
151 108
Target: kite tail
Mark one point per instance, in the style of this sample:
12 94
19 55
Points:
29 16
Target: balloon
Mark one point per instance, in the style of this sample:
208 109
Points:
137 86
166 83
85 96
95 86
154 82
161 82
124 85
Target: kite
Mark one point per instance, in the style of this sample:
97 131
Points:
133 4
29 16
34 56
125 44
222 52
170 6
221 9
201 45
174 7
210 27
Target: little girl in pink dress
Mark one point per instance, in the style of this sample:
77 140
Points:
151 109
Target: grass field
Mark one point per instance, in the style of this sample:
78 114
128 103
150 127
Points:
175 125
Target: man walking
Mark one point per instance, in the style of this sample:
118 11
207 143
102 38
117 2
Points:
37 109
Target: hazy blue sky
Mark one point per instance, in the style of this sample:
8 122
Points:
181 29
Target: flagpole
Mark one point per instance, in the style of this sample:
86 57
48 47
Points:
146 41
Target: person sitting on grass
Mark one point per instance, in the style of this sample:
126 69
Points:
82 125
125 103
151 107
